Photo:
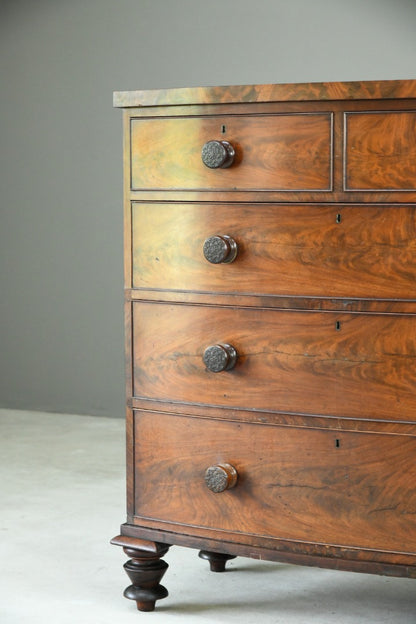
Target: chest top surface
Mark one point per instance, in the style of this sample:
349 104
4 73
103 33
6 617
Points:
312 91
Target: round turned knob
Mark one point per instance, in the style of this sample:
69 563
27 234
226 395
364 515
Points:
218 154
221 477
220 357
220 249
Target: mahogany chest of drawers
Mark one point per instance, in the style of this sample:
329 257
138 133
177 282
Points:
270 270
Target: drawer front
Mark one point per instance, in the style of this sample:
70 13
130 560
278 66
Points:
380 151
342 488
331 251
350 365
287 152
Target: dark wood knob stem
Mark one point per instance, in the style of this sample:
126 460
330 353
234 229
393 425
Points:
220 249
221 477
220 357
218 154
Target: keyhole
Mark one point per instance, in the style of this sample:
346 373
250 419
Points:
338 325
223 129
337 443
338 218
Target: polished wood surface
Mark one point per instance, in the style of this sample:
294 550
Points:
321 251
380 151
301 362
282 152
289 551
354 90
341 488
286 182
304 306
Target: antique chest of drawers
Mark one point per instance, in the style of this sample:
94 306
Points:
270 269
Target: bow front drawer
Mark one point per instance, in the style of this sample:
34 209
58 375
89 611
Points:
331 251
347 365
283 152
326 486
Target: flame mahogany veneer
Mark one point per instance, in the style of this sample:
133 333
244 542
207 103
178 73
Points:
270 265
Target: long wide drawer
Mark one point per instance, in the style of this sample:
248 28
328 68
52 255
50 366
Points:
330 251
332 487
288 152
349 365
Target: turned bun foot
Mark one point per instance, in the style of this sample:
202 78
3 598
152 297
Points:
145 570
217 561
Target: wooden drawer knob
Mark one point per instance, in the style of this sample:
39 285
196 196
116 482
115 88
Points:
218 154
220 249
221 477
220 357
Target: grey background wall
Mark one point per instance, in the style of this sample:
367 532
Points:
60 153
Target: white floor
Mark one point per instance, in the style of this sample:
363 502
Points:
62 500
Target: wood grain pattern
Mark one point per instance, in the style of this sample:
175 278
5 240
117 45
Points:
319 251
299 553
380 151
285 152
347 365
276 302
354 90
348 489
283 419
318 416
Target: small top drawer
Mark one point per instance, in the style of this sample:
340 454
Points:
283 152
380 151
